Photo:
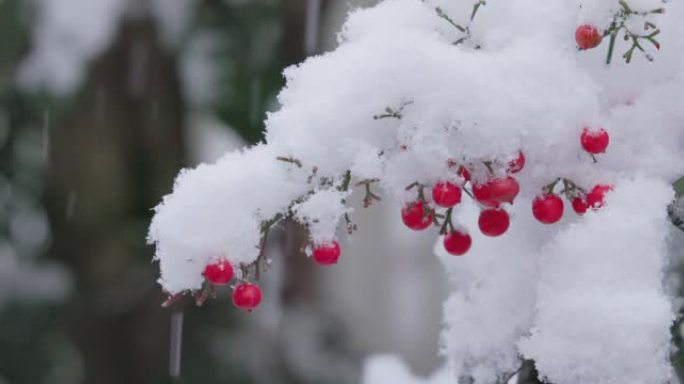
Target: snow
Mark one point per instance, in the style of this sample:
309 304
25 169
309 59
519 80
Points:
585 297
321 212
203 220
602 315
492 300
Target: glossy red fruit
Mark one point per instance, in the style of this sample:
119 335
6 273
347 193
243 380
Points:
548 209
446 194
516 165
219 272
457 243
596 195
483 194
464 173
247 296
588 36
327 253
415 216
504 189
580 205
493 222
594 141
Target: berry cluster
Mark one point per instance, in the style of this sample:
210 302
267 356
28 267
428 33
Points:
547 208
245 295
446 194
491 194
496 191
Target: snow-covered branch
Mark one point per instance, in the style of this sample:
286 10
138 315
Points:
401 112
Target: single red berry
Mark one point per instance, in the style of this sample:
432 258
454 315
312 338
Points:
416 216
493 222
327 253
446 194
580 205
220 272
588 36
594 141
246 296
483 194
548 208
457 243
516 165
596 195
504 189
464 173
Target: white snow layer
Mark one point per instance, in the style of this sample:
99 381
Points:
602 316
583 297
493 291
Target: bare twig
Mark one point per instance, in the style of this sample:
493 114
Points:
290 160
393 113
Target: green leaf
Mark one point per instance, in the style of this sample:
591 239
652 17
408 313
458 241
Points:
679 187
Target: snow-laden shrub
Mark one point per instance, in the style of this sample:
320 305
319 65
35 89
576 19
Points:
418 89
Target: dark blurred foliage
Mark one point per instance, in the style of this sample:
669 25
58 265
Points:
32 348
250 36
112 154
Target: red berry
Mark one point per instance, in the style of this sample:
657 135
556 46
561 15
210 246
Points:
504 189
457 243
415 216
464 173
446 194
594 141
220 272
247 296
483 194
580 205
548 209
493 222
517 165
587 36
327 253
596 195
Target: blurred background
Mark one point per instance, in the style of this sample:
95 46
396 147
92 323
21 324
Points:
102 102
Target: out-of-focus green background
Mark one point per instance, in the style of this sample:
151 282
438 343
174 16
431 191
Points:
102 102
